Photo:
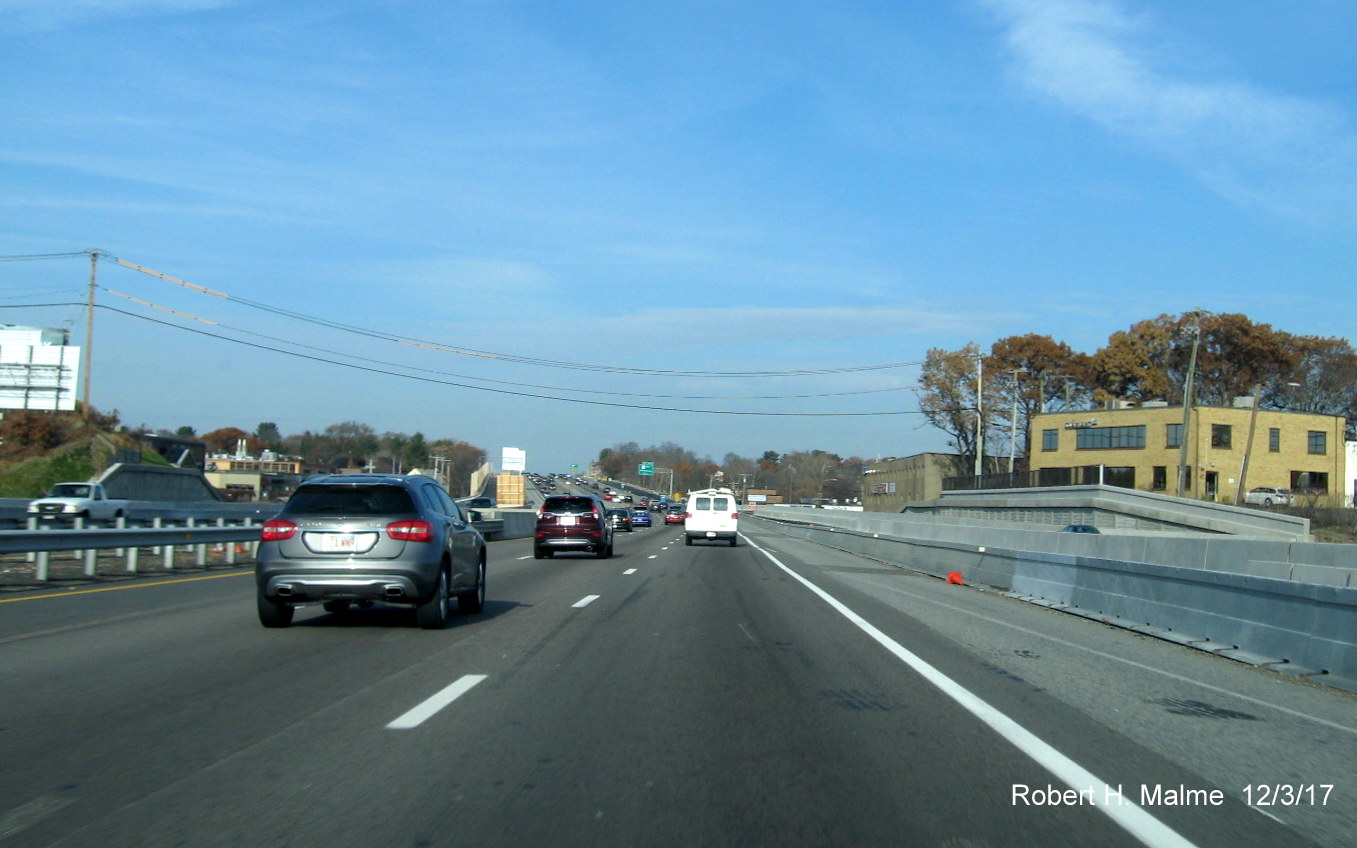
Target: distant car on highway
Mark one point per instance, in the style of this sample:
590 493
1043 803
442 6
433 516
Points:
345 538
479 502
620 519
674 515
640 517
1268 496
572 523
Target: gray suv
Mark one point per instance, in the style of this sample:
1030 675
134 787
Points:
345 538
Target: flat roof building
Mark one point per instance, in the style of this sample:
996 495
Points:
1138 447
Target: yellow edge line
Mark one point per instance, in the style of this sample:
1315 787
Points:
69 593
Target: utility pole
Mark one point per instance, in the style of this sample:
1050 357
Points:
1187 403
979 414
1248 447
1013 426
89 334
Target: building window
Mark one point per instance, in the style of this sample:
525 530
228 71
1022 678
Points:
1173 435
1312 482
1274 439
1317 441
1160 481
1220 435
1123 476
1111 438
1050 440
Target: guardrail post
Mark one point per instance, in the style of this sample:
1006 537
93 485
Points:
91 562
132 553
169 556
79 524
230 546
121 523
157 523
41 570
31 556
200 549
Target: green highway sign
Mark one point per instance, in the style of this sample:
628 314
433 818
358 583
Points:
645 469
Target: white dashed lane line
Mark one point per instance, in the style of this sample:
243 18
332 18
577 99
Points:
585 601
431 706
632 570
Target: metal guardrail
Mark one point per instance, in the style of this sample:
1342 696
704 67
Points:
41 543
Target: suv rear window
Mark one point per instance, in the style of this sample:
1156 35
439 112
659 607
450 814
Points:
568 506
350 500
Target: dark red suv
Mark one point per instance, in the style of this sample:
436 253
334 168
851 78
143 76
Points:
572 523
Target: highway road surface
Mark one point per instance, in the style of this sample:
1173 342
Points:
777 693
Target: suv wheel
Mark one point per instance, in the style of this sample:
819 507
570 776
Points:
433 613
274 615
474 601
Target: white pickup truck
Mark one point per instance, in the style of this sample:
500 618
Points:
78 500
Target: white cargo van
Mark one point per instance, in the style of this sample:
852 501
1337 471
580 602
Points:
711 514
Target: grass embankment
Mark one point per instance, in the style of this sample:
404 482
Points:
81 460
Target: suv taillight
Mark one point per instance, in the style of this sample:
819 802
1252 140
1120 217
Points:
413 530
277 529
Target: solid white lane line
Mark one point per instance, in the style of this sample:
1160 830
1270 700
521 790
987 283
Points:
430 707
585 601
632 570
1140 824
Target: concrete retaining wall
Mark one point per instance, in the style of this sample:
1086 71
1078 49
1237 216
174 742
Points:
1286 605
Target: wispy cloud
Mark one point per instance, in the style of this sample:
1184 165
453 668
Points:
39 15
1254 146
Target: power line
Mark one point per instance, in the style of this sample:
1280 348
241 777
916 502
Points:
614 404
370 360
445 347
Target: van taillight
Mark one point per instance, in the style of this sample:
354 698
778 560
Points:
414 530
734 515
277 530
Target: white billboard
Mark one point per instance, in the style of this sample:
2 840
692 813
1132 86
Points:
38 376
513 459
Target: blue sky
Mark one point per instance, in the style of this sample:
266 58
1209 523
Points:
699 187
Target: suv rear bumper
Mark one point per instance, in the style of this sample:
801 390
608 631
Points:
316 588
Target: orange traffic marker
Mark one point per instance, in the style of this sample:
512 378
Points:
954 577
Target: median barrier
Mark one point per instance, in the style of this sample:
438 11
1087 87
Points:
1277 604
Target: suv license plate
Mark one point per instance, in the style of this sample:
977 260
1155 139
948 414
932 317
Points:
337 543
567 521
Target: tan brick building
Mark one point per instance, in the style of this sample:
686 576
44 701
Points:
1138 447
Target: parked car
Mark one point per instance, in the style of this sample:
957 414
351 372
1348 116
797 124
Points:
640 517
711 514
572 523
345 538
620 519
1079 528
1268 496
